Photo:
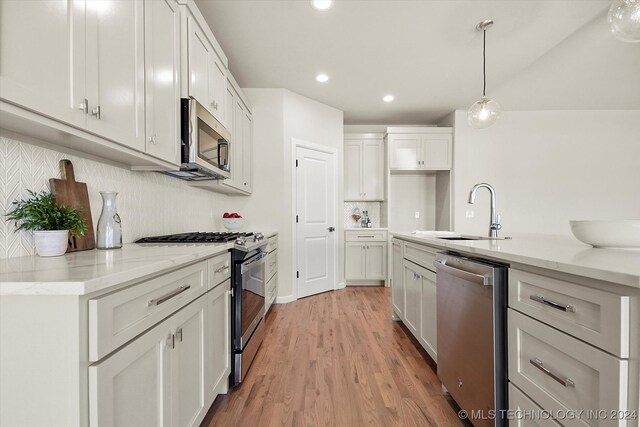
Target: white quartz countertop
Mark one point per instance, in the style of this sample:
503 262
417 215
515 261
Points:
81 273
558 253
364 228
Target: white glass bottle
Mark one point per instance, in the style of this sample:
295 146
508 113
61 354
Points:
109 226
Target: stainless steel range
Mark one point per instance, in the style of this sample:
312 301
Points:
247 302
248 291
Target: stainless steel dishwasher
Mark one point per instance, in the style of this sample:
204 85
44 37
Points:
472 306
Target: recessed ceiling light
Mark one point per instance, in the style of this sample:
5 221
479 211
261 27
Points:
388 98
321 4
322 78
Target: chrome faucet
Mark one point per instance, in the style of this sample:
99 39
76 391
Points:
494 224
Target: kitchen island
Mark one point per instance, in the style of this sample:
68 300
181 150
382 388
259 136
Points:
573 307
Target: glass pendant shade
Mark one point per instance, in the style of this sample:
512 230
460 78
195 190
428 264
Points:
483 113
624 20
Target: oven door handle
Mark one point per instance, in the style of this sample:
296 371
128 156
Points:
471 277
254 262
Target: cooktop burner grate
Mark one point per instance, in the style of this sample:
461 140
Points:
211 237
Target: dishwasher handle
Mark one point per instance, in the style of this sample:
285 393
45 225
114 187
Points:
471 277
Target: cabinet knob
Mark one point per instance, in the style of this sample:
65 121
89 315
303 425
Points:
152 139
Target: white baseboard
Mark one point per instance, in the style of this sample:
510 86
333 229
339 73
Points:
285 299
340 285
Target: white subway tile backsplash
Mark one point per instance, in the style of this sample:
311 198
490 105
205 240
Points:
149 203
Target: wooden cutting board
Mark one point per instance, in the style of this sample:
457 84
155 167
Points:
74 194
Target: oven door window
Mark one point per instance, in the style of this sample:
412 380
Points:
253 294
212 148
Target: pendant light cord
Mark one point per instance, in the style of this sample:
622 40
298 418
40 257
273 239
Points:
484 63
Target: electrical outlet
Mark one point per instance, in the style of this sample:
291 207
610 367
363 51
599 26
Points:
469 214
417 214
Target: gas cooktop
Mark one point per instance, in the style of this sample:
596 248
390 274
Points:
209 237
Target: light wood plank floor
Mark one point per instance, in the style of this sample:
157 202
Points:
337 359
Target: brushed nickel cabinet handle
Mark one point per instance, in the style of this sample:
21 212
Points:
96 112
221 269
168 295
564 381
562 307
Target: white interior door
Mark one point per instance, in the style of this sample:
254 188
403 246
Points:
316 236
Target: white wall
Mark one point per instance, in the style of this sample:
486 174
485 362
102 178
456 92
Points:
149 203
280 117
548 167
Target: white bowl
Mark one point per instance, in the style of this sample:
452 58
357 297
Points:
232 223
608 234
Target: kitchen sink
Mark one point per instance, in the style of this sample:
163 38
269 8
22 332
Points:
472 238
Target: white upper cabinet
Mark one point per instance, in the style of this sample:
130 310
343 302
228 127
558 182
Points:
364 167
247 153
42 52
420 151
162 59
206 67
115 71
83 66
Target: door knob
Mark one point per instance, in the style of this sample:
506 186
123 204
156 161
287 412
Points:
331 229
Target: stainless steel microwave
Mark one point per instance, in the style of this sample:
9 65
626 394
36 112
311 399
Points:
204 148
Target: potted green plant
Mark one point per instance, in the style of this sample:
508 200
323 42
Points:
50 223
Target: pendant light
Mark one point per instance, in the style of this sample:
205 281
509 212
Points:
485 112
624 20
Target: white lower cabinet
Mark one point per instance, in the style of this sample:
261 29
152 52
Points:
420 314
397 281
428 310
573 348
366 255
218 353
188 405
524 410
157 379
412 300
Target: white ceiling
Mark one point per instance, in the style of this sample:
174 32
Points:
542 54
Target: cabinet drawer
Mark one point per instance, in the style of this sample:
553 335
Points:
116 318
366 236
219 269
271 264
597 317
272 244
424 256
525 412
272 287
578 376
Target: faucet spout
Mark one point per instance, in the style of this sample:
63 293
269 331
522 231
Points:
494 224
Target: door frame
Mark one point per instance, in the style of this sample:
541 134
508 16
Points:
295 144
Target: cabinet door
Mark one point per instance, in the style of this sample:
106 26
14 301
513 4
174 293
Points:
372 170
247 152
218 87
436 152
115 71
162 62
199 63
352 170
354 268
397 278
42 52
412 300
376 260
132 387
404 152
187 370
428 319
218 361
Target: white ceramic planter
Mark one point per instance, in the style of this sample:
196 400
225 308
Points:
51 243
